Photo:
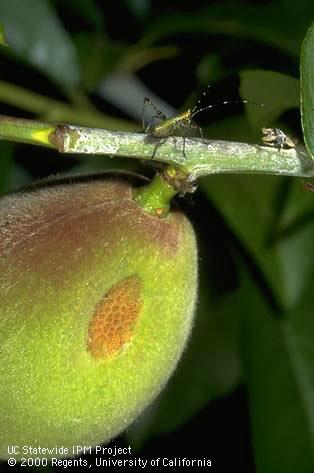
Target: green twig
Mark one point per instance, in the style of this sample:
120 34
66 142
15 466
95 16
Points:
203 157
54 111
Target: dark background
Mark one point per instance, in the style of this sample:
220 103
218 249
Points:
176 49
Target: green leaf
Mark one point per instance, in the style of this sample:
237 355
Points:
307 89
279 360
236 128
260 210
211 68
98 56
35 33
2 36
278 92
269 24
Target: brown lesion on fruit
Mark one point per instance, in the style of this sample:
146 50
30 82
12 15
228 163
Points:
114 319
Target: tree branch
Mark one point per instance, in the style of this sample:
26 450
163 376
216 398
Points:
53 110
202 157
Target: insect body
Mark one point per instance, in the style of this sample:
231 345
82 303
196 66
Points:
170 126
278 139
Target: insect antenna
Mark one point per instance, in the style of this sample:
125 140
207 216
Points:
196 110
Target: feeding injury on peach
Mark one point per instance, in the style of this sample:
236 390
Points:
112 324
83 307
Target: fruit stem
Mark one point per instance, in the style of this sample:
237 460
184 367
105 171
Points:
155 197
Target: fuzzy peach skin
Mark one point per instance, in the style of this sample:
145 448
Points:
96 305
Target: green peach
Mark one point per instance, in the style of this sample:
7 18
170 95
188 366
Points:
97 301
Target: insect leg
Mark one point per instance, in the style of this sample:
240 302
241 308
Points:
182 124
281 143
183 148
158 114
156 148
